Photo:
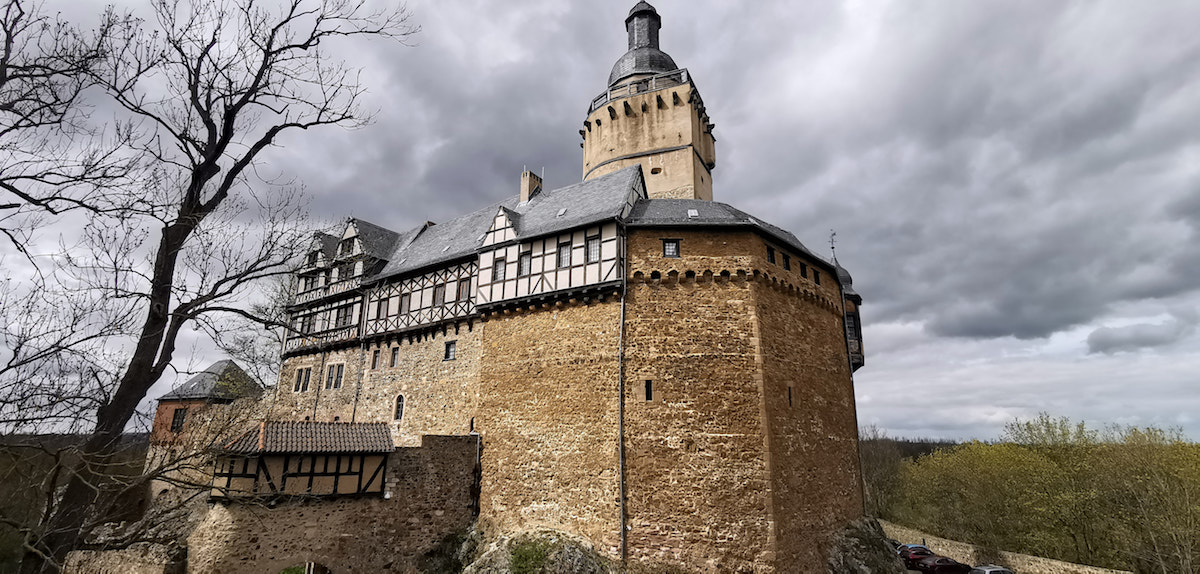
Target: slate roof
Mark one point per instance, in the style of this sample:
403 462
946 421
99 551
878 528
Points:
329 244
582 203
304 437
222 380
674 213
377 241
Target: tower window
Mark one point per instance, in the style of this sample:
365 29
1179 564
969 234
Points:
564 255
177 419
498 270
451 350
375 359
395 355
302 379
334 378
439 294
789 396
649 390
670 248
399 407
525 264
770 255
804 270
816 277
787 262
593 249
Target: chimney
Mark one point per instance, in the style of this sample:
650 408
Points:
531 184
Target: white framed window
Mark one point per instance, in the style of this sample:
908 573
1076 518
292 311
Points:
451 351
593 249
670 248
439 294
564 255
498 270
525 264
395 355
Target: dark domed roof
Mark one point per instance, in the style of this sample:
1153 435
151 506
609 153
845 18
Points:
644 60
843 275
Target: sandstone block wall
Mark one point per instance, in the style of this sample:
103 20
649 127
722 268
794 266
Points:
975 555
548 416
430 498
318 403
440 395
812 448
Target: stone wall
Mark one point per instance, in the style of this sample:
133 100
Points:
548 416
696 475
318 403
972 554
440 395
430 497
812 448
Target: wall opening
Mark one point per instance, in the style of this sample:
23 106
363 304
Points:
649 390
307 568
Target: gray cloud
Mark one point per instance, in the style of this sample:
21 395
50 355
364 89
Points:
1111 340
1005 178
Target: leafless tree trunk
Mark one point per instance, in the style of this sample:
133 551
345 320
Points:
210 90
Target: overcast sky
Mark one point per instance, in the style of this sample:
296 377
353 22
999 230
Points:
1014 185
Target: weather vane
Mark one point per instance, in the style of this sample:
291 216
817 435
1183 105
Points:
833 243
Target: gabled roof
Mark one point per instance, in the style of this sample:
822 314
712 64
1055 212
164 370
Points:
677 213
222 380
301 437
327 244
595 200
377 242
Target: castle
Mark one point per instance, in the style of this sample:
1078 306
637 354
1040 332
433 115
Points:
623 359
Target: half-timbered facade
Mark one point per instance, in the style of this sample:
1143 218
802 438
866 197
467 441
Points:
280 458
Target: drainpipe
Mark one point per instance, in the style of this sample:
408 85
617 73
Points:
621 415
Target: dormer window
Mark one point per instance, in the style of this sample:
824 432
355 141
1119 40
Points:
346 247
312 258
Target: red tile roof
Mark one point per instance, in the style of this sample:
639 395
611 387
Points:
292 437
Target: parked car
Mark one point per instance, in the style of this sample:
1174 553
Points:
913 553
941 565
990 569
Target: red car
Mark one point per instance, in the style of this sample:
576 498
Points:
913 554
941 565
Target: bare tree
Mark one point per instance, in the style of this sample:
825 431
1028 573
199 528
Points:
210 87
51 159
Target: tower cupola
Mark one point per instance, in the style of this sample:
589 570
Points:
644 57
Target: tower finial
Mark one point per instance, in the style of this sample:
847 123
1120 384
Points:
833 244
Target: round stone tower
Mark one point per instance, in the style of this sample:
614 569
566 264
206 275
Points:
651 113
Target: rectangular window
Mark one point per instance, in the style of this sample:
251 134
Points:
787 262
334 380
789 396
525 264
346 247
308 282
308 324
381 308
564 255
302 379
770 255
451 350
804 270
375 359
395 355
498 270
649 391
342 318
177 419
405 303
593 249
312 258
464 289
816 277
670 248
439 294
345 271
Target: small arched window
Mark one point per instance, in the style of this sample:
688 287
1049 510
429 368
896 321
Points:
399 407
